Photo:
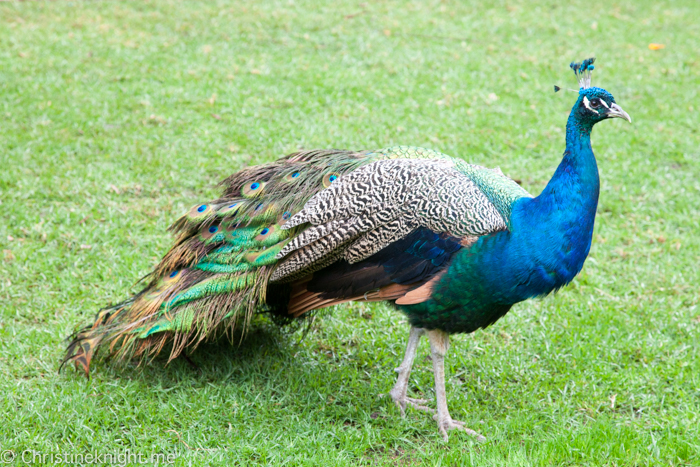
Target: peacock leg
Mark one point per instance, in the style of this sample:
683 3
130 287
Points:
398 392
439 344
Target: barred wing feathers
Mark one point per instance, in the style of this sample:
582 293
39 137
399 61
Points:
381 203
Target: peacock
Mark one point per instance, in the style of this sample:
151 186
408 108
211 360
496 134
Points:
450 244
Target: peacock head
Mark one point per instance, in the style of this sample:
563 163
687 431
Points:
593 104
596 104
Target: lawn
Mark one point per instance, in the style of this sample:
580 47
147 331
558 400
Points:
116 117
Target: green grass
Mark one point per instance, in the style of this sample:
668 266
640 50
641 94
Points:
115 117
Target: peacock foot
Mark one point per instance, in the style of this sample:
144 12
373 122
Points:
402 401
447 423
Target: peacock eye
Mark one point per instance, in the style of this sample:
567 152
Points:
595 103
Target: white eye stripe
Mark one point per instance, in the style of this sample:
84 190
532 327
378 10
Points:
602 101
587 104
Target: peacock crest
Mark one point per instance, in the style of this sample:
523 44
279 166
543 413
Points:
583 71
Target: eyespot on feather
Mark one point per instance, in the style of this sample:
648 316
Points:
199 210
172 278
284 217
329 178
253 189
265 233
210 231
230 208
292 176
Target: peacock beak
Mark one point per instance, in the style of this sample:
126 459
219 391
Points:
616 111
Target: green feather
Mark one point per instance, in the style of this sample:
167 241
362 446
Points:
215 285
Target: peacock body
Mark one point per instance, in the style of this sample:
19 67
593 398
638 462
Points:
453 245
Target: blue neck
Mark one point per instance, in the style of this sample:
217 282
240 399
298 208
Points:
573 190
559 222
576 179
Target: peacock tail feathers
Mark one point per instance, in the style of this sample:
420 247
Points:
215 277
279 222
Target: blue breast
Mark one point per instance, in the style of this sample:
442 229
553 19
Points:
547 243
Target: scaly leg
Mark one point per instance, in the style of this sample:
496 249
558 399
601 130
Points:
398 393
439 344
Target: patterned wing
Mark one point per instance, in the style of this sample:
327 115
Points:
381 203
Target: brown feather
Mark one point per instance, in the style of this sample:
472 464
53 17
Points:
420 294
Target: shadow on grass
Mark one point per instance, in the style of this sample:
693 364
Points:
264 350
